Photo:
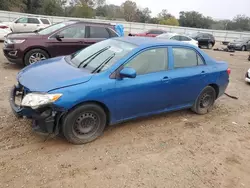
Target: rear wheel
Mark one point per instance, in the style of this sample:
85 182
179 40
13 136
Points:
205 101
34 56
210 45
243 48
84 124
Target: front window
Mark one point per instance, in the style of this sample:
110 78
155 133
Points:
150 61
74 32
100 56
52 28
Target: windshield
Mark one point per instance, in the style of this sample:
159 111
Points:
100 56
52 28
165 35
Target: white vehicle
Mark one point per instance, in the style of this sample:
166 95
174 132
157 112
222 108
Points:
178 37
4 31
29 24
247 79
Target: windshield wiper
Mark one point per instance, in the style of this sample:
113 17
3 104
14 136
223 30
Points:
92 57
100 67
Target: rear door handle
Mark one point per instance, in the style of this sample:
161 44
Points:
203 72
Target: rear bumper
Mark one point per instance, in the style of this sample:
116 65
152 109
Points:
45 120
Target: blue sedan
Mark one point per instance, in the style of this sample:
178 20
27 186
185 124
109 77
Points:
116 80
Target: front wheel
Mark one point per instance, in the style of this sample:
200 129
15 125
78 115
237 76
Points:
84 124
34 56
205 101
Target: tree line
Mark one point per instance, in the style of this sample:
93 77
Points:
128 11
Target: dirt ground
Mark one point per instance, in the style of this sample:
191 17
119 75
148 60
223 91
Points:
179 149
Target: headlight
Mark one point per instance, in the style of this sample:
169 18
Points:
14 41
35 100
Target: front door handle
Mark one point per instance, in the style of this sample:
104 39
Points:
164 79
203 72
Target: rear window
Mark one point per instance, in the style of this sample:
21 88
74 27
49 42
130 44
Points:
45 21
112 33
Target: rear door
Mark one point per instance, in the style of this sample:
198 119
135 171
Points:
72 41
33 24
188 76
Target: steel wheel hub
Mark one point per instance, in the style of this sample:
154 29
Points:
206 100
86 124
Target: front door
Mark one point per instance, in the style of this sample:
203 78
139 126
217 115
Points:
72 39
20 25
146 93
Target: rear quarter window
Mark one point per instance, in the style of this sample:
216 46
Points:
98 32
112 33
45 21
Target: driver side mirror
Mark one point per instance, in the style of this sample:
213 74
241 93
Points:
59 37
128 72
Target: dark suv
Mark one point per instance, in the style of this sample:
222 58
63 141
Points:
59 39
204 39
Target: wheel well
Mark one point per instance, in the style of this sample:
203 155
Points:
33 48
216 88
103 106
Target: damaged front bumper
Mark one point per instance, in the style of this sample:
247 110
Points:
44 120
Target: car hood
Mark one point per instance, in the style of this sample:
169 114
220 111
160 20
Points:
24 35
52 74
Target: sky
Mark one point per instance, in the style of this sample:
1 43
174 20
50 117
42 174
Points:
218 9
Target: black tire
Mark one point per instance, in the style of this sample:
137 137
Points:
243 48
210 45
205 101
92 116
34 51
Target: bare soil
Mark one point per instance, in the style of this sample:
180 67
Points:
179 149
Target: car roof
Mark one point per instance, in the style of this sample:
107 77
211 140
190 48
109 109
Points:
150 41
92 23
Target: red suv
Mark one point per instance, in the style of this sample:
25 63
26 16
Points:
59 39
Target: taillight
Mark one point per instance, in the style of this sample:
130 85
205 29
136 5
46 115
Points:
228 71
3 27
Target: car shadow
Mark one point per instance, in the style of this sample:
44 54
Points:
11 66
146 119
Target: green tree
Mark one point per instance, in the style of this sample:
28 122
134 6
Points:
169 21
239 23
110 11
83 11
143 15
129 9
52 8
194 19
